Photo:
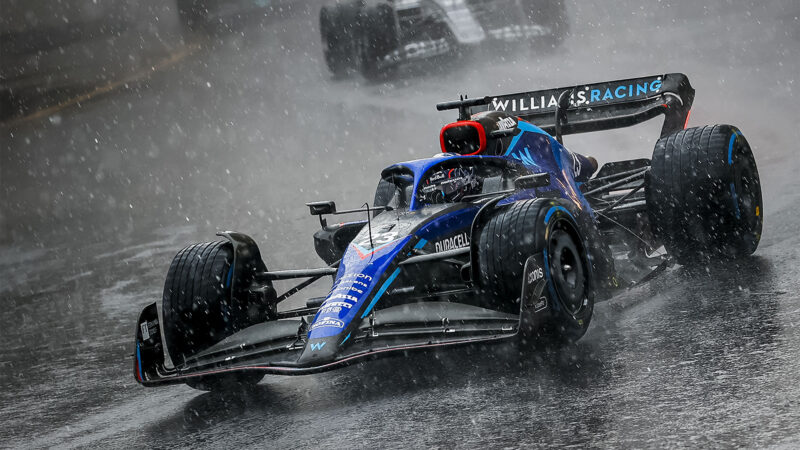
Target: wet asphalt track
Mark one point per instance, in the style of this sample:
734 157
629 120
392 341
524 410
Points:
97 199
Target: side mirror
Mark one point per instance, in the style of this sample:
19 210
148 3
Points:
532 181
320 208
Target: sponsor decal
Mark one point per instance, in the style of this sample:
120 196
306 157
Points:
535 275
441 175
352 284
354 276
576 164
317 346
512 32
334 307
327 322
520 105
506 123
524 156
426 48
338 304
587 96
149 329
343 296
452 243
380 237
347 289
533 285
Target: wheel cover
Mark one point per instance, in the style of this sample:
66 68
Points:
748 195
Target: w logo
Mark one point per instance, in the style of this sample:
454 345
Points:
317 346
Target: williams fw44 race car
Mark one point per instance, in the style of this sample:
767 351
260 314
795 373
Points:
504 235
375 36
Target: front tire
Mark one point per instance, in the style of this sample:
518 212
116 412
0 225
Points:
196 301
198 309
545 227
704 194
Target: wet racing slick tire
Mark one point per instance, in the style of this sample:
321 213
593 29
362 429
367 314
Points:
340 29
380 38
704 195
197 308
530 227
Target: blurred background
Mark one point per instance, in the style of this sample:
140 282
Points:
129 129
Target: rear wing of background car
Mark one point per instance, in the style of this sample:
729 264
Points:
593 107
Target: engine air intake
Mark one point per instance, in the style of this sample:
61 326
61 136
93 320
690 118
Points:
464 137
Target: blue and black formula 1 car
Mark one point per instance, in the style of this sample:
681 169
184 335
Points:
504 234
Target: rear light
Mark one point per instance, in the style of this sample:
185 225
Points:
465 137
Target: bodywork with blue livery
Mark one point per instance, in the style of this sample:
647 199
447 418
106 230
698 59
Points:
506 232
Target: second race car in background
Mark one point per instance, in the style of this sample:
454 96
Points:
374 37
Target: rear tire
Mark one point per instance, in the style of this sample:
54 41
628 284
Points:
525 229
704 194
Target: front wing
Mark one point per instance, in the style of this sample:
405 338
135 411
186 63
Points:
274 347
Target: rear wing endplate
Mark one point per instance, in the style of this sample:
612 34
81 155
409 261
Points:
595 107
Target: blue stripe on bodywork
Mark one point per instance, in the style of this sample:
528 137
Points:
421 243
730 147
230 275
380 292
730 163
345 339
735 202
139 362
523 127
553 209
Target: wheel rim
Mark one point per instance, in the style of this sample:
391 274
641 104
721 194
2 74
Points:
567 271
749 196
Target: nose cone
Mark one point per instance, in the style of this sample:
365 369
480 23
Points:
319 351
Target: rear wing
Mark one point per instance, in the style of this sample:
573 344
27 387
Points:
593 107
